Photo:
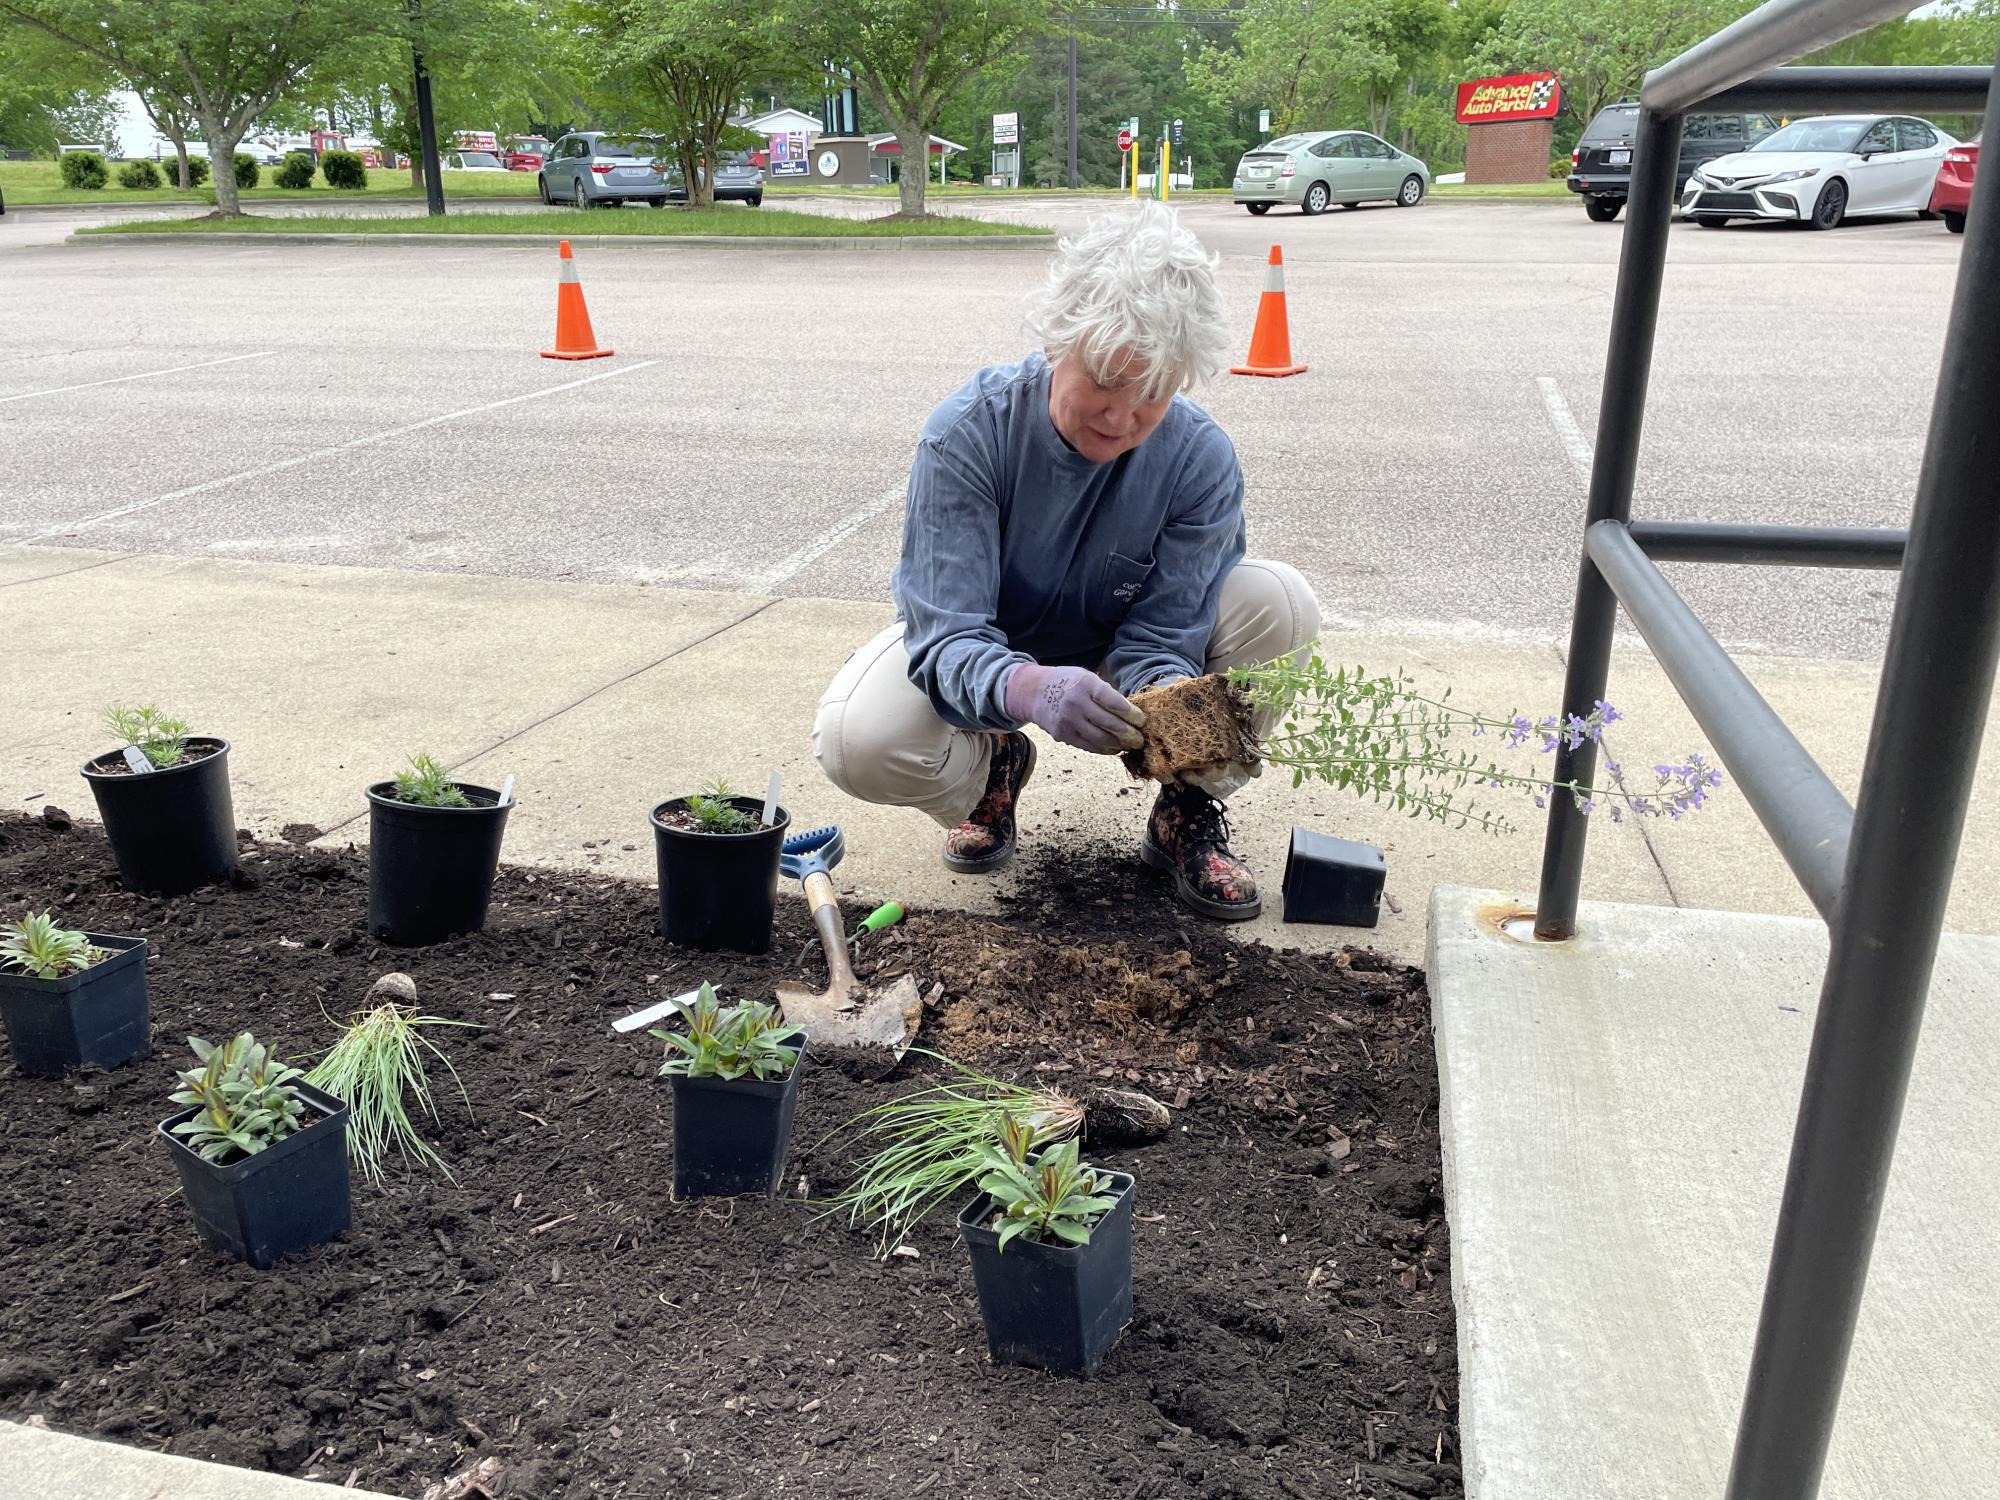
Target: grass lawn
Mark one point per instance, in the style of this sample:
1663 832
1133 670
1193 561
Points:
741 221
1550 189
26 182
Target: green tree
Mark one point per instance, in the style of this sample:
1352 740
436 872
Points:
688 64
220 63
912 57
51 93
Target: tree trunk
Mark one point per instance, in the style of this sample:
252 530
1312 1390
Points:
181 157
913 169
417 170
222 162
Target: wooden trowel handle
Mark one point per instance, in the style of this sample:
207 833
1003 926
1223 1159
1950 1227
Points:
832 929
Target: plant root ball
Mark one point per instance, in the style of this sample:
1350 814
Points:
1122 1117
1195 724
393 989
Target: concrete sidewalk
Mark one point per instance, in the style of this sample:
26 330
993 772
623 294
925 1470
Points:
36 1464
604 700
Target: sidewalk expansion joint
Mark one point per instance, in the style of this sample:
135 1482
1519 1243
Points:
102 562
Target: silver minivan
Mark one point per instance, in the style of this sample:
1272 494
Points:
1315 169
590 169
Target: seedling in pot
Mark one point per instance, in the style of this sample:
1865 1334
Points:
163 741
428 784
36 945
376 1066
246 1101
746 1040
1050 1197
713 812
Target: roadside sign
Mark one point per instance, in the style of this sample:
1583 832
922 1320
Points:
1263 122
1177 132
1007 129
1124 140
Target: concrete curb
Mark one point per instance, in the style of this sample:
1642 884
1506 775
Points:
37 1464
593 241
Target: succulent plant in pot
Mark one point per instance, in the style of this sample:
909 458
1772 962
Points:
1051 1244
262 1154
735 1072
163 794
70 997
718 868
433 848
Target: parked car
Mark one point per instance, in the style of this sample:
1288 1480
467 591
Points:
1818 171
472 161
1600 168
737 180
1951 194
524 153
1316 169
591 168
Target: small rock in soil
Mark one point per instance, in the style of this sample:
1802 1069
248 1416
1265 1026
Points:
56 818
20 1377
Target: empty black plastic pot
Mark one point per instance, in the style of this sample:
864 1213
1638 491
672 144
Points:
170 830
1335 881
718 890
1058 1307
96 1015
430 869
731 1134
287 1198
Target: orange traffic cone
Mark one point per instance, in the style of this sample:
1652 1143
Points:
1271 339
574 340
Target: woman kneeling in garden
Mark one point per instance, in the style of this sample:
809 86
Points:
1074 534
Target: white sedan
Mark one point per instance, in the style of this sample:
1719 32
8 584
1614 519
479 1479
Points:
1819 171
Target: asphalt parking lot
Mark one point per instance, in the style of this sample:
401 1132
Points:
384 405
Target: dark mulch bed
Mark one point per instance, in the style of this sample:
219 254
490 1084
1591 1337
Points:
1293 1333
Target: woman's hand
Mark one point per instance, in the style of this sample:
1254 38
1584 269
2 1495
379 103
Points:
1074 706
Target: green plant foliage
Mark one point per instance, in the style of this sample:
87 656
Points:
295 171
930 1143
1051 1197
84 169
160 739
343 169
246 1100
36 945
712 809
748 1040
139 174
247 173
376 1066
428 784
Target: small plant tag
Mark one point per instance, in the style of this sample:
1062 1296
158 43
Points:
654 1013
771 799
136 759
507 790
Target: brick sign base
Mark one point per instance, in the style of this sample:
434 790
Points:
1517 151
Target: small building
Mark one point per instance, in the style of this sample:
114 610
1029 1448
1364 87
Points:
886 153
1510 126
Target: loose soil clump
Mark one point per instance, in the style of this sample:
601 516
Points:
1196 724
555 1316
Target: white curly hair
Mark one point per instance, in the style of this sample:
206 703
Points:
1133 297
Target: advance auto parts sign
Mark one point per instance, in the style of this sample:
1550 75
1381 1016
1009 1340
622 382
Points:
1519 96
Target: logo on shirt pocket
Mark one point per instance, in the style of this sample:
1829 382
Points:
1123 582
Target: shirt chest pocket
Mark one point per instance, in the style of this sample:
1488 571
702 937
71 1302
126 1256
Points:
1118 588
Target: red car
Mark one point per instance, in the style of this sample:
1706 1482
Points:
1952 195
524 153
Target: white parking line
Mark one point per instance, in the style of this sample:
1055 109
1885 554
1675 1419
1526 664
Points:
827 540
148 375
1575 444
68 528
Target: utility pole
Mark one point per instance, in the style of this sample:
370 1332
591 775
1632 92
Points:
1072 100
426 120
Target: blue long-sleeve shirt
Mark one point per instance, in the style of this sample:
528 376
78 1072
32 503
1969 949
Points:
1017 548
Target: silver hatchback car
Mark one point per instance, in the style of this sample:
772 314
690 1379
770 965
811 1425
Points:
591 169
1315 169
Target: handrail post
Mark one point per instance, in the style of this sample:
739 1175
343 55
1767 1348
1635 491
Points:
1635 314
1937 679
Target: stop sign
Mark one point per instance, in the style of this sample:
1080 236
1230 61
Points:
1124 140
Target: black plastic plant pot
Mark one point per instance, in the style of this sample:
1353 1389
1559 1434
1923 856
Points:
731 1134
287 1198
96 1015
170 830
430 869
1059 1307
719 890
1334 881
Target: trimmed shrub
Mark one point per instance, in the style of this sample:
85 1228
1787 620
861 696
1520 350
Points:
343 169
138 174
295 171
170 171
1559 167
84 169
246 170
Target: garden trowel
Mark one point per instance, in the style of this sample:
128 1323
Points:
848 1013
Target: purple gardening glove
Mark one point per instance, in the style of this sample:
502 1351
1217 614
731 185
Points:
1075 706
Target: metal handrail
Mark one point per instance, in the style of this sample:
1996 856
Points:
1772 34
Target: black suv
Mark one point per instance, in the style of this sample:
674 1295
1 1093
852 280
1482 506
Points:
1601 166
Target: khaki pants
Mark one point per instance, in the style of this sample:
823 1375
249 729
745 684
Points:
878 738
